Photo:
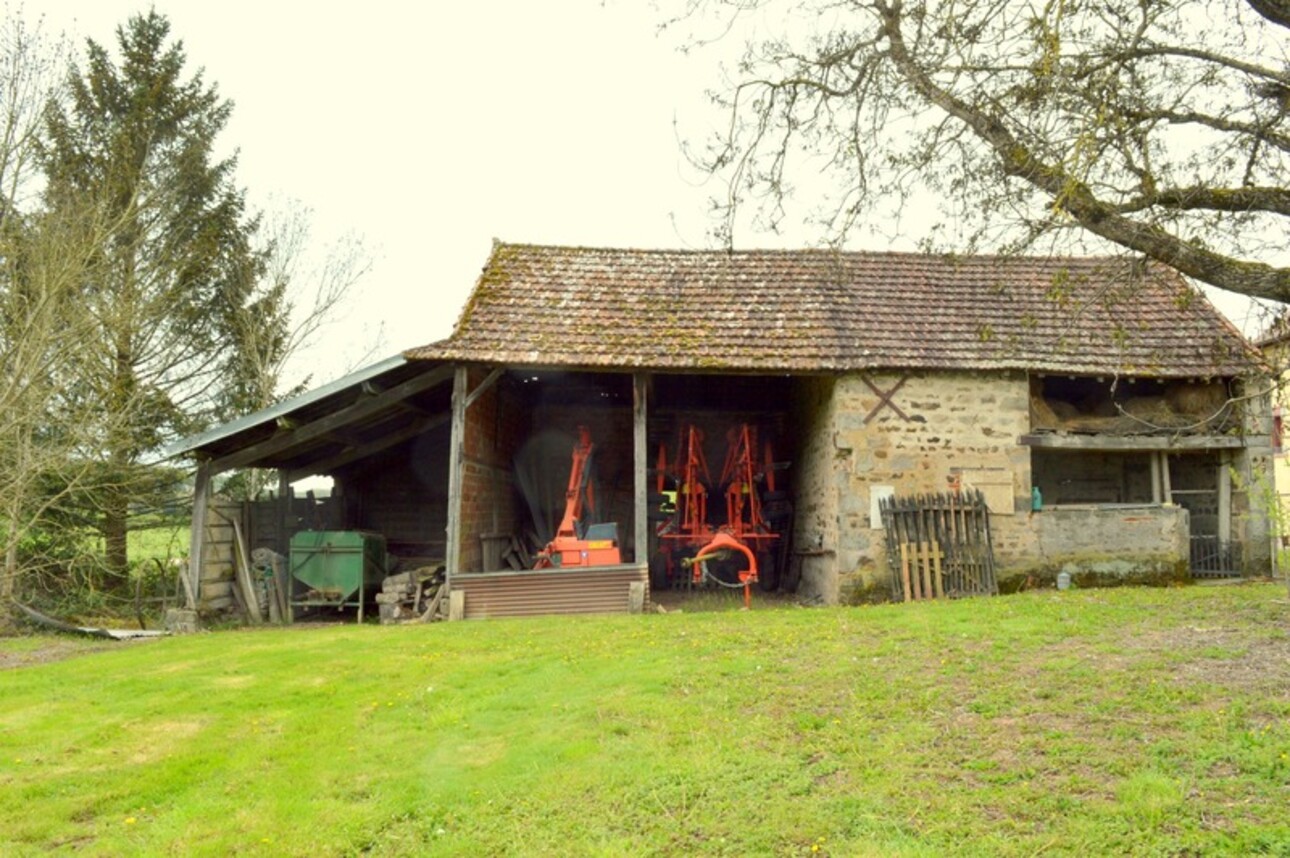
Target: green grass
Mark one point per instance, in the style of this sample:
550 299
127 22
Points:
163 542
1128 721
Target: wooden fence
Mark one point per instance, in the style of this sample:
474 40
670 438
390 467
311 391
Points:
939 546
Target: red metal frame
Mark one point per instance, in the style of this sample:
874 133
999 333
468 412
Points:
745 530
567 548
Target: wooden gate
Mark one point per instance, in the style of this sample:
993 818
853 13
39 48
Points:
938 546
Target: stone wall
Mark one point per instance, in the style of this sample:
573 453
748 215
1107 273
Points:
870 434
945 430
1100 546
819 477
1255 504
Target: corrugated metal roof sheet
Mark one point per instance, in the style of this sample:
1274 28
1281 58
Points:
818 310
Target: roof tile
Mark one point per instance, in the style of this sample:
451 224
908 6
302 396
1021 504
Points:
818 310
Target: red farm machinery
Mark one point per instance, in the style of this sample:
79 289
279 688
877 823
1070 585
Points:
577 543
744 545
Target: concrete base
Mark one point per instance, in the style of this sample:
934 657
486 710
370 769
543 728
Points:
179 621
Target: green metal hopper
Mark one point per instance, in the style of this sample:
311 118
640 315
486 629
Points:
336 567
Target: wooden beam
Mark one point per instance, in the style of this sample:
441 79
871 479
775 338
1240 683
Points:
483 387
1132 442
456 460
1157 495
284 511
360 410
385 442
1224 499
197 532
640 416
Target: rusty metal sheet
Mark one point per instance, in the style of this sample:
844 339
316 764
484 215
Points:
589 590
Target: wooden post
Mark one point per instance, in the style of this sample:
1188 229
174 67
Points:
1224 500
904 571
284 513
456 461
197 533
640 413
1157 494
936 570
1166 485
636 597
457 604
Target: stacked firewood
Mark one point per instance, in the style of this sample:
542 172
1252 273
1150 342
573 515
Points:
418 595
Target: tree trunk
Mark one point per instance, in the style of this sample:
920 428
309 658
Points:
115 528
9 578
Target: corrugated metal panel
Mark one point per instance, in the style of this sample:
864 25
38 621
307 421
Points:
591 590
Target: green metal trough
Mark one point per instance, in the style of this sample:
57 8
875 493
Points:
337 568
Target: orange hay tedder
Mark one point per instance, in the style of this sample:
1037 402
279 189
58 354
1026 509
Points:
577 543
685 536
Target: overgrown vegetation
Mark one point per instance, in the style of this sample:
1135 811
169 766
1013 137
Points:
141 297
1133 721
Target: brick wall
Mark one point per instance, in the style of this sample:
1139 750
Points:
495 427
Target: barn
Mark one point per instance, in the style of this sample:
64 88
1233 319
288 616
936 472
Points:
868 426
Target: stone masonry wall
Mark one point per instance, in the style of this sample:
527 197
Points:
950 429
820 472
1255 505
1146 544
945 429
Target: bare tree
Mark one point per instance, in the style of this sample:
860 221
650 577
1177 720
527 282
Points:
1160 126
48 444
303 287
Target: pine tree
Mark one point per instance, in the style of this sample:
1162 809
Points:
179 266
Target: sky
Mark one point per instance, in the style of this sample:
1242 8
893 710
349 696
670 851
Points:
430 129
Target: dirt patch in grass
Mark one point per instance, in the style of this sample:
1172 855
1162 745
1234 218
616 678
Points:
42 649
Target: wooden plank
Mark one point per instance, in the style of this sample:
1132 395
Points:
936 570
915 573
904 571
1134 442
243 568
432 607
925 566
456 605
456 460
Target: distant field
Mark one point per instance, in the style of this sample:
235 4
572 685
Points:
163 542
1110 722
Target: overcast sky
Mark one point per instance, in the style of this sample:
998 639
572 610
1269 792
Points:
430 129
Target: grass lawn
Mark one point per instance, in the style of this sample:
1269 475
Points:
1143 721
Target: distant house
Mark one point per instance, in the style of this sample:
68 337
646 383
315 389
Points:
1107 393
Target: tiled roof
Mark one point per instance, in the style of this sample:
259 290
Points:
819 310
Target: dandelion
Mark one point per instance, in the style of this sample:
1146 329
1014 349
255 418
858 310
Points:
130 820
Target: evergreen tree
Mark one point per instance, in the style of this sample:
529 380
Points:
178 268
